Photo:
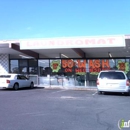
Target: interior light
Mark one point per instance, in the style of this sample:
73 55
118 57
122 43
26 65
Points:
23 56
64 56
110 55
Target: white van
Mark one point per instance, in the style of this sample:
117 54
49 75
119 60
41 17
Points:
113 81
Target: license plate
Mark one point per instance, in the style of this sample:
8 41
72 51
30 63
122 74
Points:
111 85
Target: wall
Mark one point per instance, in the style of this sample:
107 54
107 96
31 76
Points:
4 63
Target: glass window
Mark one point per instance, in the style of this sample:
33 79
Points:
95 66
44 68
33 63
23 63
14 66
112 63
120 64
128 68
80 72
44 72
23 70
56 74
21 77
32 70
112 75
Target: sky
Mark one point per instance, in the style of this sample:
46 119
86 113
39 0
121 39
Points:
25 19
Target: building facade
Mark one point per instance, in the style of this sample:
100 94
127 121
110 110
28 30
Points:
65 62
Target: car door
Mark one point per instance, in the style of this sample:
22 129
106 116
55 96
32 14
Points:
20 81
25 81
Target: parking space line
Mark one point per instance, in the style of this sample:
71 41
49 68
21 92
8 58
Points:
94 93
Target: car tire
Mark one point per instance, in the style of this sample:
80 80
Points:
16 86
32 85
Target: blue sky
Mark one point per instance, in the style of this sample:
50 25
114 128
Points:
21 19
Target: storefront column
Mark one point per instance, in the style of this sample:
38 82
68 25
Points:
4 63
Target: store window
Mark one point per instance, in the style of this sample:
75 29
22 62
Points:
44 68
23 66
23 63
94 68
33 69
33 62
68 72
121 64
112 64
80 72
14 66
128 67
56 73
44 72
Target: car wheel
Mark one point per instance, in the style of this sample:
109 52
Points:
32 85
16 86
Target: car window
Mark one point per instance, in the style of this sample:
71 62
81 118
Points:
18 77
112 75
5 76
21 77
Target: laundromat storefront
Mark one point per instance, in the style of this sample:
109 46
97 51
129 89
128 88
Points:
68 72
71 71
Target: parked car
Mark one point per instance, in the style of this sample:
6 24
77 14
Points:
113 81
15 81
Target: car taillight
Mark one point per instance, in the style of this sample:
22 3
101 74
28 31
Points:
127 83
7 81
97 82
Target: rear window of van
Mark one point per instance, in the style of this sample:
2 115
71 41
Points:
112 75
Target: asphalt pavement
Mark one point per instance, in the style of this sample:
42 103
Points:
61 109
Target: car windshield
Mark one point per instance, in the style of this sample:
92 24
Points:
5 76
112 75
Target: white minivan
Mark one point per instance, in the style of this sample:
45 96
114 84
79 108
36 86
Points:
113 81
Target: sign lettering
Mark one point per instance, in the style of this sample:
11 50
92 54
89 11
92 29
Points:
74 42
95 66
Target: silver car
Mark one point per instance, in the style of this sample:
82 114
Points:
113 81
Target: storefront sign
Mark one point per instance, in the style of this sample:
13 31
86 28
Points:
74 42
124 66
80 66
55 66
95 66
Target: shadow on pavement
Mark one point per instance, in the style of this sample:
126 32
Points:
114 94
20 89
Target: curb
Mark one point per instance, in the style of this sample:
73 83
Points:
83 89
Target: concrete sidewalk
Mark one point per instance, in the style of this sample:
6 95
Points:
71 87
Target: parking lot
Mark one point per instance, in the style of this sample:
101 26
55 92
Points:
59 109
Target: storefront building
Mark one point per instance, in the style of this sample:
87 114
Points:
66 62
